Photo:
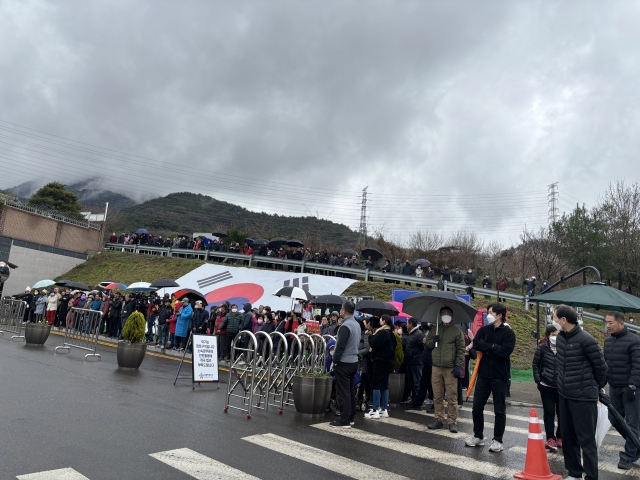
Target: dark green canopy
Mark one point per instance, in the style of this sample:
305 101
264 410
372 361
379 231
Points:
594 295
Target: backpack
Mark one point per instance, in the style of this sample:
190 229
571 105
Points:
399 357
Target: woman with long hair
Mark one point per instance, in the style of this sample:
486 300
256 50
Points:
545 375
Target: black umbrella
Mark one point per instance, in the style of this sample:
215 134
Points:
62 283
277 242
376 308
295 243
261 241
184 235
190 294
626 433
373 253
77 286
164 283
220 234
348 251
249 241
333 300
423 262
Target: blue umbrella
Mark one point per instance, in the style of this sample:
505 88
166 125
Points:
423 262
44 284
142 230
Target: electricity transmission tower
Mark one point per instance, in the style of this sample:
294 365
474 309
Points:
553 197
363 218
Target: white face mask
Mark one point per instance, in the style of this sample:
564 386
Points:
399 331
446 319
553 340
259 321
234 310
557 325
331 353
490 319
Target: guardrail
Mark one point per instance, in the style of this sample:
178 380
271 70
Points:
325 269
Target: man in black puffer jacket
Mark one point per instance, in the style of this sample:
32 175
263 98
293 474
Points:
622 354
582 371
413 360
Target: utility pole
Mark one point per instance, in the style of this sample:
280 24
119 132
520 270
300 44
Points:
363 218
553 197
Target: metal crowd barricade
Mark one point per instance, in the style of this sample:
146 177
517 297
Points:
279 359
262 372
81 331
293 367
11 316
307 353
242 366
320 351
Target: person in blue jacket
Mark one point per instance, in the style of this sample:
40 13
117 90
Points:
182 325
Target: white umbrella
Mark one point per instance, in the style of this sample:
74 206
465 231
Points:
141 287
44 284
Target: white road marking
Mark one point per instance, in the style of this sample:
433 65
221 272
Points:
508 427
62 474
606 466
200 466
420 427
438 456
322 458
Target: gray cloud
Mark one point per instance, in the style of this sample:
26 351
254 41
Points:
456 114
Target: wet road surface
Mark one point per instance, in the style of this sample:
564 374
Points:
67 419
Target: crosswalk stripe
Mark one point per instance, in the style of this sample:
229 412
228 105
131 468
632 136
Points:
508 428
606 466
200 466
438 456
420 427
322 458
61 474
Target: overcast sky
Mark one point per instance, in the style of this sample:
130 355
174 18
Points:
457 115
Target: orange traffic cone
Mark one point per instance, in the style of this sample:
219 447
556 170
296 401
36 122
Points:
536 466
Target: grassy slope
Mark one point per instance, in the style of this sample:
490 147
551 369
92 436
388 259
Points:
128 268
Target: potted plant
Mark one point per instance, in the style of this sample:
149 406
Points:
312 392
37 333
396 380
132 349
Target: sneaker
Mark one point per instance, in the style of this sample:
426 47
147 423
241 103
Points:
474 442
352 423
496 446
624 465
551 445
337 414
339 424
373 414
453 428
559 442
436 425
383 413
428 402
571 478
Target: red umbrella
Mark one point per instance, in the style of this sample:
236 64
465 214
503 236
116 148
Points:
116 286
398 305
190 294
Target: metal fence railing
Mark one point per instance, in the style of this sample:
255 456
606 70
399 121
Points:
43 211
81 331
325 269
11 317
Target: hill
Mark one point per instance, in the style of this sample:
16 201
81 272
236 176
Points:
189 212
128 268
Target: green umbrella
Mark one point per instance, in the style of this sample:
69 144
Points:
594 295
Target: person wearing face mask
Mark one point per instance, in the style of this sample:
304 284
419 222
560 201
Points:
447 356
582 371
231 323
200 318
496 341
545 375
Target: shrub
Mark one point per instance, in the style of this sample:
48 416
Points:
134 327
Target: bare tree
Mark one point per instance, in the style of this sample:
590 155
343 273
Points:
541 252
424 241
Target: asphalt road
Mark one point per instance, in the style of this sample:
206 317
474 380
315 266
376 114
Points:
60 412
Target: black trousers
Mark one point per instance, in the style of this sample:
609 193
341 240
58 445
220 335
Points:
345 390
426 389
484 388
578 424
551 408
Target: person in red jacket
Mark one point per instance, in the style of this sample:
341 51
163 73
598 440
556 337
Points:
172 324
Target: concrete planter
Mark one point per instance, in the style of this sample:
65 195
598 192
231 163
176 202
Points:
396 388
131 355
36 334
311 395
